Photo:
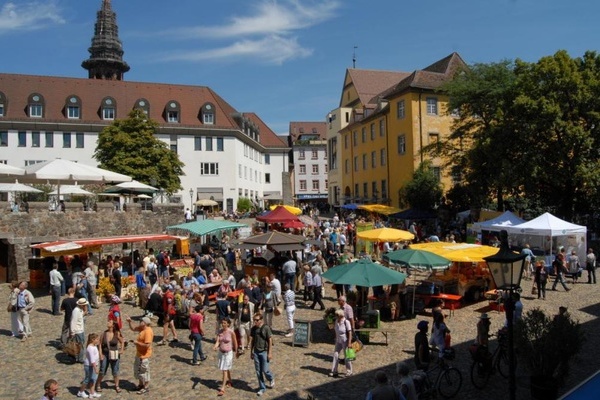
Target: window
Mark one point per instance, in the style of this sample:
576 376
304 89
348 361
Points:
173 147
250 174
32 162
315 185
437 172
374 190
434 138
346 166
384 194
209 168
36 105
240 170
326 184
73 107
35 139
49 139
143 105
432 106
346 141
2 102
365 189
79 140
66 140
267 159
220 144
301 155
364 162
172 112
355 163
209 144
382 157
400 111
73 112
382 127
402 144
302 169
355 138
373 159
36 111
373 131
303 185
267 178
208 114
197 143
315 169
245 172
315 154
22 139
363 134
3 138
108 109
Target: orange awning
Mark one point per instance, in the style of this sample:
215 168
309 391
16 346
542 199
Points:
81 245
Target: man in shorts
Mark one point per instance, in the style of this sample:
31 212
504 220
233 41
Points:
143 352
169 313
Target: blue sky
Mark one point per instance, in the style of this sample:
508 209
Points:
286 59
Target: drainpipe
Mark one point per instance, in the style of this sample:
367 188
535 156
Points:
420 128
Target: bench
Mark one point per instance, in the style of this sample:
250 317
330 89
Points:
372 330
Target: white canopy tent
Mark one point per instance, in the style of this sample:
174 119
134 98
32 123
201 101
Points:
547 233
499 223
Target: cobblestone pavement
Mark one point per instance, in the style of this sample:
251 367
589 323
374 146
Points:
298 371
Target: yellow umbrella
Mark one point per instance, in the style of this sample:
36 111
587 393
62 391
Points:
385 235
380 209
292 209
458 252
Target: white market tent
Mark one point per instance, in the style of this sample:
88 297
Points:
499 223
547 233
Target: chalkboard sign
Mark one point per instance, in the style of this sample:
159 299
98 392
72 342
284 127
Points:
302 333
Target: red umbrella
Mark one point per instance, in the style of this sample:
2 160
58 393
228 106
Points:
293 224
278 215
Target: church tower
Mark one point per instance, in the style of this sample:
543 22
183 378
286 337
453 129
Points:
106 53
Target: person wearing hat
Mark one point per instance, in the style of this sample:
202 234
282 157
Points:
77 327
114 312
483 329
143 352
422 349
384 389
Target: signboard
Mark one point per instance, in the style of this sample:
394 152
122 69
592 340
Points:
302 333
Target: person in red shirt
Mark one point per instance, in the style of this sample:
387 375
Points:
169 315
114 312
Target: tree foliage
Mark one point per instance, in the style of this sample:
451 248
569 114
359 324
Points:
527 133
425 189
130 147
244 204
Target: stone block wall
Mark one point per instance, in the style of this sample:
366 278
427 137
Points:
19 230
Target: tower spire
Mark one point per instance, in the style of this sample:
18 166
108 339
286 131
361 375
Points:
106 53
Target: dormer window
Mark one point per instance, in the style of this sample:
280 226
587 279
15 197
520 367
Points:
2 104
172 112
35 106
109 109
73 107
208 114
143 105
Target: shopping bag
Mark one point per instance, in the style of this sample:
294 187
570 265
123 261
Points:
350 354
72 348
356 345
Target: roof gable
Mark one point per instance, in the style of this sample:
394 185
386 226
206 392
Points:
267 138
369 83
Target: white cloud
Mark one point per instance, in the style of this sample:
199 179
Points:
269 17
264 35
269 50
27 16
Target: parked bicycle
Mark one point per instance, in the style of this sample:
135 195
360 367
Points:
485 363
447 383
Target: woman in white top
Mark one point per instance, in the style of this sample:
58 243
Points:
343 340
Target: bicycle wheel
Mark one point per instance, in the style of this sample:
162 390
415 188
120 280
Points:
502 363
480 375
449 382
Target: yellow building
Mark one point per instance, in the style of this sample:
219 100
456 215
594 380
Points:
394 116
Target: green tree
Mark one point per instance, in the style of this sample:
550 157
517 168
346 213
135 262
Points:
424 191
244 204
130 147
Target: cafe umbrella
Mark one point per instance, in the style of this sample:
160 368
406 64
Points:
364 272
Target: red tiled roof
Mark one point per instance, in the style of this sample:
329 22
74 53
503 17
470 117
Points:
299 128
370 83
268 138
55 91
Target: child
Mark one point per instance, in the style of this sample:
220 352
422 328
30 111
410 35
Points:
91 366
227 346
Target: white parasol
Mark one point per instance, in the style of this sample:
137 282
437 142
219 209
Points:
17 187
9 170
72 189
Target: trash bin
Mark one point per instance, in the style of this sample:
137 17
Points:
373 319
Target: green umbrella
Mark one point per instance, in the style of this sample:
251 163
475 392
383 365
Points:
417 259
365 273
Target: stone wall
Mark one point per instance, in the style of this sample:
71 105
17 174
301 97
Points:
19 230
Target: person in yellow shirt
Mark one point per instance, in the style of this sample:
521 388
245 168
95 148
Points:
143 352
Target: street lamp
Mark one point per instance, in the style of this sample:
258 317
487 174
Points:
506 268
191 198
337 195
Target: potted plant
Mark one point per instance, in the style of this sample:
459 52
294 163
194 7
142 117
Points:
329 317
547 345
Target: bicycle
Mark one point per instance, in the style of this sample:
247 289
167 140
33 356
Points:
485 363
447 383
